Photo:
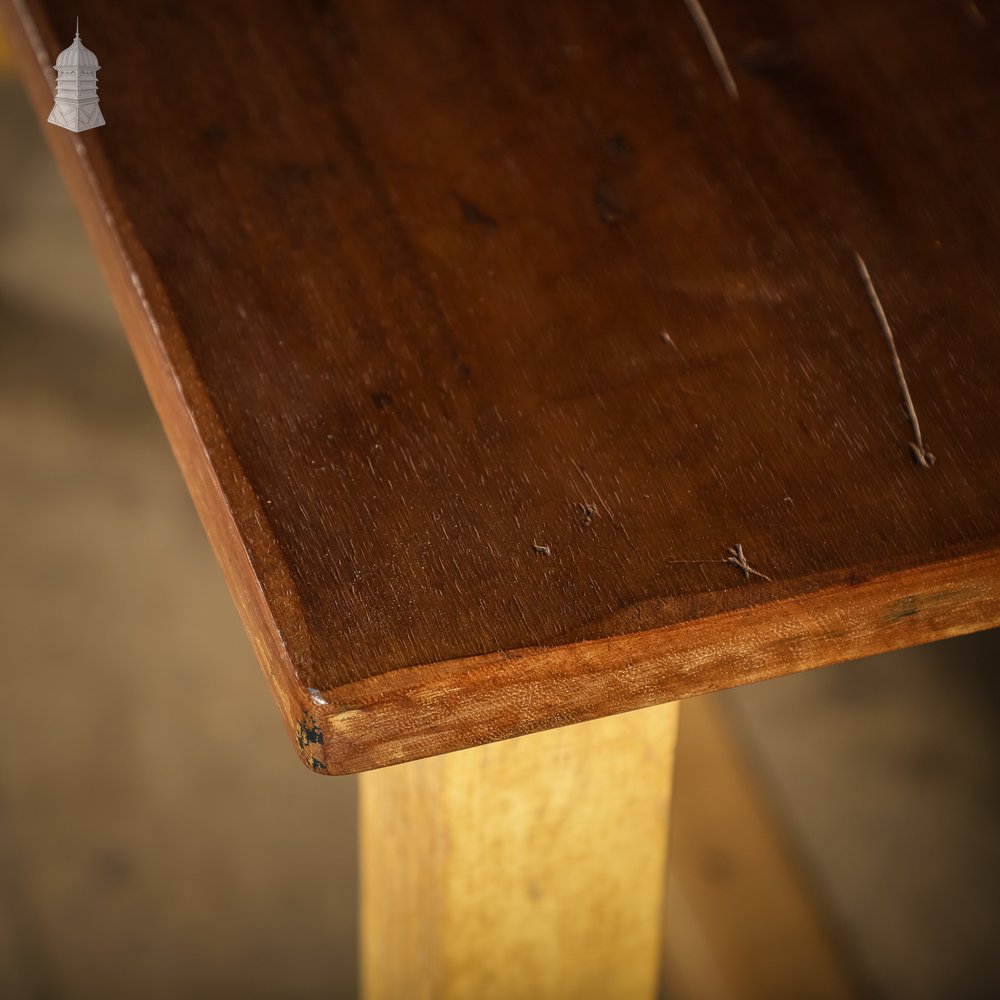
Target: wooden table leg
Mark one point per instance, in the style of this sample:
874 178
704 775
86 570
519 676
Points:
528 868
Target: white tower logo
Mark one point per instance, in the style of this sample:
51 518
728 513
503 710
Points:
76 106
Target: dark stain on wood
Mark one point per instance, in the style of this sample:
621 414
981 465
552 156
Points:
474 215
768 58
619 146
610 208
309 732
213 135
936 602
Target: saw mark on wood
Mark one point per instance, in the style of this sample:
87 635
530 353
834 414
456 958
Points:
921 455
718 57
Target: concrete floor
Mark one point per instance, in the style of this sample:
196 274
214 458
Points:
157 836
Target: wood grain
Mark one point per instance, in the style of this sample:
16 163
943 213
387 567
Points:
529 868
483 334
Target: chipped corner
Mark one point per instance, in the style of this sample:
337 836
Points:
311 742
322 732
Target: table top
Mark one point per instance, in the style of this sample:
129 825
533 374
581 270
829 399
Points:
534 362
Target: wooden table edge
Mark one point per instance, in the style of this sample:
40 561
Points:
221 493
438 708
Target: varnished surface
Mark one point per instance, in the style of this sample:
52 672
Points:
533 867
475 329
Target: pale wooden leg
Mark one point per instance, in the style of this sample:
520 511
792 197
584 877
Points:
531 868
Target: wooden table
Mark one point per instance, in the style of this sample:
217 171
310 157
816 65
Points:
534 364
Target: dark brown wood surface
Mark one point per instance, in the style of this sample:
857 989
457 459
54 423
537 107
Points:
484 333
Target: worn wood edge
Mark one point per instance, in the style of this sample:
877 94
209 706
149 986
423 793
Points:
252 564
438 708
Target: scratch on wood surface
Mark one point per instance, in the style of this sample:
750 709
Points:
704 27
588 512
540 550
590 483
921 455
602 501
734 557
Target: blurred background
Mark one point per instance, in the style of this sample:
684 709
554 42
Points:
835 833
